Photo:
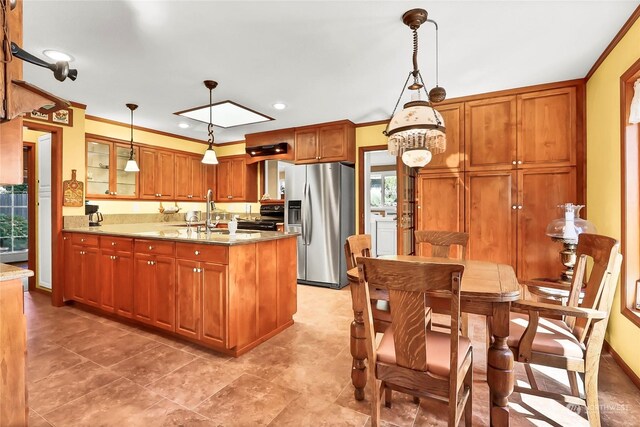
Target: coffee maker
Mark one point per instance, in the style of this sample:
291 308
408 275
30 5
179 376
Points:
95 217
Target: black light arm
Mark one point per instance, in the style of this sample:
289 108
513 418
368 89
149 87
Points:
60 69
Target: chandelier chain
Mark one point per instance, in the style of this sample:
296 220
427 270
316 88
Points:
210 127
415 54
131 152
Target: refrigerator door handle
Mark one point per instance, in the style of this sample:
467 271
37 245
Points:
307 215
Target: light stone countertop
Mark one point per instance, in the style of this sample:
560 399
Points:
9 272
178 232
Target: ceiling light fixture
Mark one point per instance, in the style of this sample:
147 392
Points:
279 106
417 132
210 157
56 55
131 165
183 125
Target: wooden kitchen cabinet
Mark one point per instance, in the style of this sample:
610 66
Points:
81 269
490 133
189 173
11 151
540 191
441 204
329 142
115 276
106 177
154 290
157 174
200 307
490 216
547 128
236 181
453 157
507 213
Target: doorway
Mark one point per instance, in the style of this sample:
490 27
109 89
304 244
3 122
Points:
379 199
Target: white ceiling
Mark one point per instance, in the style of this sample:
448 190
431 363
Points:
327 60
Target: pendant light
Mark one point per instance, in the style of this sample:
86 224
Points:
131 165
417 131
209 157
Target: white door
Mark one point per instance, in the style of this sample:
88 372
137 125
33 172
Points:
43 247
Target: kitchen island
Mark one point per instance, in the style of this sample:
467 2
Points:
229 293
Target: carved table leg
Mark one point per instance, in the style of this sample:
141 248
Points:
358 344
500 373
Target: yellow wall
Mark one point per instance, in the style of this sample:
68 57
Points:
74 157
603 172
366 136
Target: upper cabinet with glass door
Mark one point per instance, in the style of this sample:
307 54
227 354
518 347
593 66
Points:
106 177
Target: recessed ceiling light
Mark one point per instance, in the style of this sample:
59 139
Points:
183 125
56 55
279 106
226 114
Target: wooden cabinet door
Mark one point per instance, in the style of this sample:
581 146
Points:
453 157
165 174
214 310
163 291
197 192
490 133
440 205
547 128
188 299
332 143
540 191
238 180
183 176
306 146
147 173
71 265
406 209
123 284
75 272
143 280
106 279
90 275
490 216
11 152
223 190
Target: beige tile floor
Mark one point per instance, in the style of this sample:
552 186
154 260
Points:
86 370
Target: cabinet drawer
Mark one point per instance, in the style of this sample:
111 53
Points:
84 239
116 243
154 247
208 253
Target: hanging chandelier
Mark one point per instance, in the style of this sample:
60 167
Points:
417 131
131 165
210 157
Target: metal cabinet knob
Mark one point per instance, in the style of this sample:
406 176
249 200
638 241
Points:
81 240
113 243
150 247
197 252
195 270
229 197
115 193
513 163
65 238
514 207
519 162
520 207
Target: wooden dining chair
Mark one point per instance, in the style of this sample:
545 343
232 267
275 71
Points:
411 358
441 243
360 245
570 337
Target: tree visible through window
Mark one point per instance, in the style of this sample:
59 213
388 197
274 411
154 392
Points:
383 190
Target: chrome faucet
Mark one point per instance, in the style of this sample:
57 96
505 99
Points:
211 205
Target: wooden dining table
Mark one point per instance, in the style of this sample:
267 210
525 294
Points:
487 289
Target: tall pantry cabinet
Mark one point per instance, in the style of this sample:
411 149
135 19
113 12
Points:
520 158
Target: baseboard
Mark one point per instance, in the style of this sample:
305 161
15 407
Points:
625 368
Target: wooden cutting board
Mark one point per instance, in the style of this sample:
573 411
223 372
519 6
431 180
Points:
72 191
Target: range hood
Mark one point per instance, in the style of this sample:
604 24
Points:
267 150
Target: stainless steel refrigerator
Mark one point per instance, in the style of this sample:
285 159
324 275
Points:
320 205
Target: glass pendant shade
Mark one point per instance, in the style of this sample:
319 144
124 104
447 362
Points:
568 227
417 128
131 166
210 157
416 157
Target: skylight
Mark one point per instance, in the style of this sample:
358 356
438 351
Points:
226 114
